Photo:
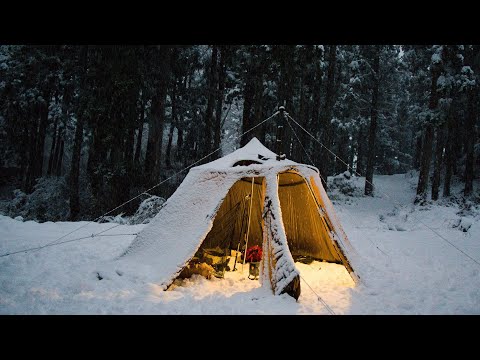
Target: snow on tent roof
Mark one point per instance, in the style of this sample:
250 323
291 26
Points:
253 151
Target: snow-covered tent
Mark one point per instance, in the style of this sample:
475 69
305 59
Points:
290 216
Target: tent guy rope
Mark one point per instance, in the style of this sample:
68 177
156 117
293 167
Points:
319 297
325 181
142 193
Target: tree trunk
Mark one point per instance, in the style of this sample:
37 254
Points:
51 158
298 152
42 132
155 135
372 132
59 161
157 119
285 92
437 168
316 103
217 131
75 169
360 152
173 122
248 96
32 157
325 156
342 151
425 165
418 153
180 142
470 142
128 152
169 146
138 148
212 82
77 146
56 168
428 140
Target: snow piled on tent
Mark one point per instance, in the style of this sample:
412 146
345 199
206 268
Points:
161 250
408 269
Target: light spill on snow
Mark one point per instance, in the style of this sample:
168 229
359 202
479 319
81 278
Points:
407 268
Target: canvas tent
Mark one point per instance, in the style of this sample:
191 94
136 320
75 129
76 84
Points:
289 216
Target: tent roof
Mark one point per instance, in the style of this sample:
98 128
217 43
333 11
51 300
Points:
253 152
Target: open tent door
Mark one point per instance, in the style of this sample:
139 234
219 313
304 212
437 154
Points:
232 223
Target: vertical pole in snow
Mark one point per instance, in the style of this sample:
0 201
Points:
248 226
280 131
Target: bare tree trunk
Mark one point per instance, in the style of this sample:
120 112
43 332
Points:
418 153
342 151
59 162
52 148
425 164
372 132
75 170
326 115
180 141
157 119
299 154
129 141
360 152
470 142
316 103
212 82
437 168
286 90
173 123
138 148
217 130
77 147
155 135
168 162
42 132
428 140
249 96
32 156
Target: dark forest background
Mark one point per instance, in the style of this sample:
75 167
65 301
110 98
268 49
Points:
85 128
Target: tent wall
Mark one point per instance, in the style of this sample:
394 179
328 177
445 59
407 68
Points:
306 228
339 235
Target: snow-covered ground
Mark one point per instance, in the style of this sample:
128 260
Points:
408 268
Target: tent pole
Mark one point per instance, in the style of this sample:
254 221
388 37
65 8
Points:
248 226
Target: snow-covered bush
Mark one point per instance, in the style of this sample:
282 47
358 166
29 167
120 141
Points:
48 201
147 210
345 184
463 223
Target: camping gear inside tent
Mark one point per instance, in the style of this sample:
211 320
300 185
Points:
245 198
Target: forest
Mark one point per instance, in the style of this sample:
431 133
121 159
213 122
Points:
85 128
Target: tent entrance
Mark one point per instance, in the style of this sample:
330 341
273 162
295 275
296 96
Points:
237 225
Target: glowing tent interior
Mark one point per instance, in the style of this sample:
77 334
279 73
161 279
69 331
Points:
289 215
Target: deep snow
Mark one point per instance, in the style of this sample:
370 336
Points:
409 268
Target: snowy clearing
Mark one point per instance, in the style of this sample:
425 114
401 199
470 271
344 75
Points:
410 269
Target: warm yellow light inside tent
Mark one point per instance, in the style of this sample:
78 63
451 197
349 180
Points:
306 228
306 225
